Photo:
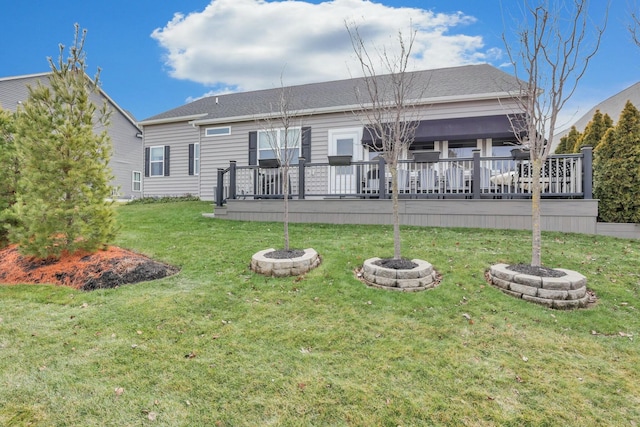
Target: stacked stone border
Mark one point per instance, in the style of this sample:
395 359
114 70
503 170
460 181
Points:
284 267
566 292
419 278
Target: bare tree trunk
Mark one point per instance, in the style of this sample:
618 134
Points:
285 190
536 234
396 215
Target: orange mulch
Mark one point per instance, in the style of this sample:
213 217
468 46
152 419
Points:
103 269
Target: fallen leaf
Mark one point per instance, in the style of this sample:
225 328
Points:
139 332
119 391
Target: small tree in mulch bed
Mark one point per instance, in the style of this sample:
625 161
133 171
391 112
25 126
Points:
283 133
389 115
551 55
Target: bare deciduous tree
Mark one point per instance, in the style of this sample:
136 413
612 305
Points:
634 27
556 43
387 106
282 131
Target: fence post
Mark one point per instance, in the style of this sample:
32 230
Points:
382 178
232 179
587 172
220 188
301 177
475 179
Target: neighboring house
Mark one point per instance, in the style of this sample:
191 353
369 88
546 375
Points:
612 106
126 158
460 109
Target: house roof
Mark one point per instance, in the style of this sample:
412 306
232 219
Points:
612 106
440 85
14 90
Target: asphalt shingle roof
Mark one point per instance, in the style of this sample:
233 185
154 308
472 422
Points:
459 82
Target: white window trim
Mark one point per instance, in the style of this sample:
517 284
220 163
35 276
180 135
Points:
196 159
151 161
228 131
134 181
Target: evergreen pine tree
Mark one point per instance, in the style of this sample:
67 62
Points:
64 150
594 131
617 169
568 141
8 173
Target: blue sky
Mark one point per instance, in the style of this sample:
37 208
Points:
153 60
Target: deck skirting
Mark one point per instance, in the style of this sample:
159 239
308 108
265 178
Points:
572 216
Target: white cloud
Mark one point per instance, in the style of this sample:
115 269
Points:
250 44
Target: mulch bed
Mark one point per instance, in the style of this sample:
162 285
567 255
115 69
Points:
87 271
536 270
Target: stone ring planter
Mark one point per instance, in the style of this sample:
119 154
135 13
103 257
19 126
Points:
565 292
286 266
418 278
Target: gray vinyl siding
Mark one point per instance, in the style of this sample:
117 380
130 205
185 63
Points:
127 155
177 136
217 151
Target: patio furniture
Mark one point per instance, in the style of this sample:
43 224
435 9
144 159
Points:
428 180
454 180
371 185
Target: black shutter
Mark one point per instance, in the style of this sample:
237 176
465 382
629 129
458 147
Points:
147 152
191 162
306 144
253 148
166 160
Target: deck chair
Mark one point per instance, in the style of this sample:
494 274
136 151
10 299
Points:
428 180
454 180
371 183
404 185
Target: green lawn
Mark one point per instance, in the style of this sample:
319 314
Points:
217 345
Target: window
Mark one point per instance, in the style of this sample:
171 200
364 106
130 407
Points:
460 150
194 159
219 131
136 181
156 161
271 144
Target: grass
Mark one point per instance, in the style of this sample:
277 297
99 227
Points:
217 345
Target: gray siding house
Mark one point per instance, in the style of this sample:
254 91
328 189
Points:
126 159
460 109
